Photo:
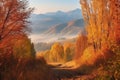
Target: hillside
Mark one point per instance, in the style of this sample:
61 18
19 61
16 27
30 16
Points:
54 33
70 28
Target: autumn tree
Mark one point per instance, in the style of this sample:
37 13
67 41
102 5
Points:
69 50
80 46
115 17
13 19
23 48
57 53
99 22
46 54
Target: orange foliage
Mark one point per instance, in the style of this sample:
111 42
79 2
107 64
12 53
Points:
81 44
13 19
103 28
67 44
102 21
115 15
69 51
57 53
90 57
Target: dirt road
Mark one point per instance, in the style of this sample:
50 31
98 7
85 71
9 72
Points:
69 73
65 73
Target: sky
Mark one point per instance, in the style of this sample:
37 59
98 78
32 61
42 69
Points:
44 6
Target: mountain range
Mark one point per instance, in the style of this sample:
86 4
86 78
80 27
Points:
57 23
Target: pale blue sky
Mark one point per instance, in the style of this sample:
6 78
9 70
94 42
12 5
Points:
43 6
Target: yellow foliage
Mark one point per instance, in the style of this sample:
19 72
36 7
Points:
80 46
90 57
68 44
57 52
69 50
102 22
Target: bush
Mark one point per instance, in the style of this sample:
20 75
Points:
12 68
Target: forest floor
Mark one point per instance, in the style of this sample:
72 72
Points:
69 73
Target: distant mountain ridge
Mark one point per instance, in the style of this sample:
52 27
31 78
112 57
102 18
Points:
42 22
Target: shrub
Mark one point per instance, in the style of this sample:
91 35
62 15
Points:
12 68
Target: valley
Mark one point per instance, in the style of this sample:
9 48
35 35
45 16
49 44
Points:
53 26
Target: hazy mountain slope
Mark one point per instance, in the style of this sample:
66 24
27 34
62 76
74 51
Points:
42 22
70 28
53 26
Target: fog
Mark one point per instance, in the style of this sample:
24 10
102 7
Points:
36 38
